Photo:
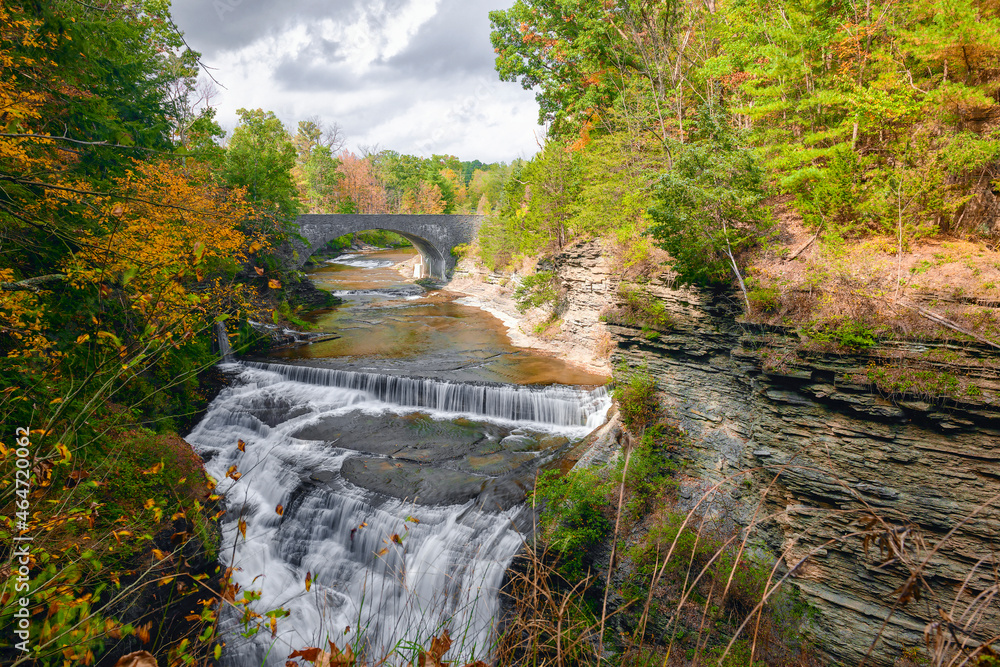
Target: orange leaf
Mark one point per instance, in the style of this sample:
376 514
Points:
259 270
440 645
309 578
243 528
308 654
240 445
273 284
280 510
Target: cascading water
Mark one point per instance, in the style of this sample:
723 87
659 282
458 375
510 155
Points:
560 406
445 565
222 340
399 499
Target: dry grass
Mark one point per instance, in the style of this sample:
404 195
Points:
688 589
871 281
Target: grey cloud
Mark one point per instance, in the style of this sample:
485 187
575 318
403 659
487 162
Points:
448 61
213 26
456 39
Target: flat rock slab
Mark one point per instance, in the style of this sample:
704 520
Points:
423 484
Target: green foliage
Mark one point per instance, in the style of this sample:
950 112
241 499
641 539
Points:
708 206
765 299
537 290
560 48
898 381
635 393
651 471
844 332
260 157
640 308
538 201
573 518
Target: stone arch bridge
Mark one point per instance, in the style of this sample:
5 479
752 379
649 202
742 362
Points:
433 235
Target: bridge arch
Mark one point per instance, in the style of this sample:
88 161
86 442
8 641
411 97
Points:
433 235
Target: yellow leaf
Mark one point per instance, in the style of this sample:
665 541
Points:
67 455
242 446
148 504
55 401
309 582
243 528
159 554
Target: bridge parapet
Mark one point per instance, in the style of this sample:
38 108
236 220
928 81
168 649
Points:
433 235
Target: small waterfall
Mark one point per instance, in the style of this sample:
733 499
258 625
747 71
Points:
222 340
385 572
559 406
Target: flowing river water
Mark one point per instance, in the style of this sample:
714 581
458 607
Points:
400 455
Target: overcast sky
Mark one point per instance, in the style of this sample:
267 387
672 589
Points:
415 76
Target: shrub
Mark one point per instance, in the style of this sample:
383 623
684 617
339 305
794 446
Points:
765 299
635 392
572 516
537 290
844 332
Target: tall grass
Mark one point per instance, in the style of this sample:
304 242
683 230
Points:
691 581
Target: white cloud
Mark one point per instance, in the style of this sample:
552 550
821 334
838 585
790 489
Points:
411 75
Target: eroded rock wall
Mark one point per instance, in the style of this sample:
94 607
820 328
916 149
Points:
811 453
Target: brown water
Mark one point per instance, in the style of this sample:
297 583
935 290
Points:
396 326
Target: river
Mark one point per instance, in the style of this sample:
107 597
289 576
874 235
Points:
399 454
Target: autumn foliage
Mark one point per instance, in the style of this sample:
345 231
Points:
119 258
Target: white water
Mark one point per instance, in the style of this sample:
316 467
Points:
222 339
551 406
444 572
360 261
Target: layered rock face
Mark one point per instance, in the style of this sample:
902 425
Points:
868 499
577 334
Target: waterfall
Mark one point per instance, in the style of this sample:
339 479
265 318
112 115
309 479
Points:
560 406
384 572
222 339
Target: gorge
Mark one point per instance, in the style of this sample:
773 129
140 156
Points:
391 476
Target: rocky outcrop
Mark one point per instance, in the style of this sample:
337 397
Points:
576 333
853 488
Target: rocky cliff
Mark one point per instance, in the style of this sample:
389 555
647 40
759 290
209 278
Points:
871 499
572 330
873 475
